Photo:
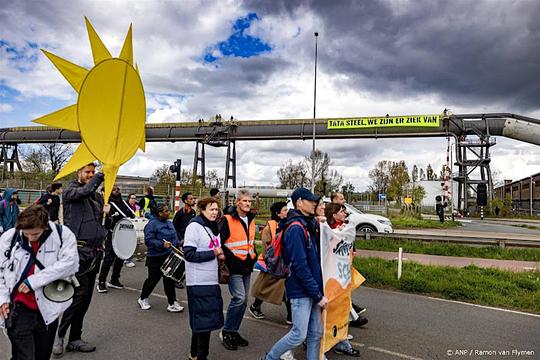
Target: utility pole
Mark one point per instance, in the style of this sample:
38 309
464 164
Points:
314 117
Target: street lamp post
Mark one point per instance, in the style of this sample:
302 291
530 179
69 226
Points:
531 192
314 116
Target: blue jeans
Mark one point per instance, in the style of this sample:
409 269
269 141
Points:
239 289
307 325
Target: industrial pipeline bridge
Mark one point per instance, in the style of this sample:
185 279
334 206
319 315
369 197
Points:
473 133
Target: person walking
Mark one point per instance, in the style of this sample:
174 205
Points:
33 254
119 210
159 237
339 198
202 251
238 232
266 287
301 250
9 209
180 221
335 217
83 215
51 200
148 203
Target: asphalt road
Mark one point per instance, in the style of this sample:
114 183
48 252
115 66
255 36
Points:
480 226
401 326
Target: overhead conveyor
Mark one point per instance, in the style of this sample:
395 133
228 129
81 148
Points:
473 134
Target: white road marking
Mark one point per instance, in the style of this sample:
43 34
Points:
486 307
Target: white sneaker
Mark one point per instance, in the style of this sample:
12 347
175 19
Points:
58 347
176 307
129 263
287 356
143 303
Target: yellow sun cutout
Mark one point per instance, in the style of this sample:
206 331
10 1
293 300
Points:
110 112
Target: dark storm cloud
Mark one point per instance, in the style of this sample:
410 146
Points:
233 78
470 53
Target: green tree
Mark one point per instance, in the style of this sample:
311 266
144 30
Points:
380 177
398 180
414 174
292 176
430 174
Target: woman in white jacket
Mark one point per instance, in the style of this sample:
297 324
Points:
32 255
202 251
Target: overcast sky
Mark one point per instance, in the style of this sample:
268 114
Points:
254 60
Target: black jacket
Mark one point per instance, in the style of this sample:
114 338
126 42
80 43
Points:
236 265
119 210
181 221
83 210
53 208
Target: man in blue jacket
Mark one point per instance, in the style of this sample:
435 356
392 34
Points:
9 209
304 285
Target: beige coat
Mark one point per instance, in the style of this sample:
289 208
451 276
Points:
265 287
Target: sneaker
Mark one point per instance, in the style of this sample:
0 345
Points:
256 312
240 341
129 263
350 337
361 321
227 339
58 347
287 356
80 345
143 303
115 284
102 288
175 307
359 310
350 351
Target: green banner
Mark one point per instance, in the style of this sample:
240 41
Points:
385 121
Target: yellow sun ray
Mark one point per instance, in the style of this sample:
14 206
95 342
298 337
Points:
99 51
65 118
127 48
80 158
110 112
110 172
73 73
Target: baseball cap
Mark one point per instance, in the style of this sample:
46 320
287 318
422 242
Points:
304 194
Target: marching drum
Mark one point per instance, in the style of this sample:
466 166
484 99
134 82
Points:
140 223
124 239
173 267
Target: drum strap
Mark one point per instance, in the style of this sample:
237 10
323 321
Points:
129 207
117 208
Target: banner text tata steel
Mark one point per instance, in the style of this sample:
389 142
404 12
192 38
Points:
383 121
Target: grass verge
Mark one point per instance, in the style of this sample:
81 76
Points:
491 287
406 222
446 249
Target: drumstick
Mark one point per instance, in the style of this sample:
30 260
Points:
175 248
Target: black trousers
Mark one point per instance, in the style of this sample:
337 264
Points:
154 264
30 338
74 315
200 343
110 259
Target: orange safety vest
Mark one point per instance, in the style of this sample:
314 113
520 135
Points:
272 224
237 242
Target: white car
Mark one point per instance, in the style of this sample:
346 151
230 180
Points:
363 222
368 222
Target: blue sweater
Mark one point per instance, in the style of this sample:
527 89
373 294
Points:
302 254
155 232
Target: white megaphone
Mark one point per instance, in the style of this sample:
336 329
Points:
61 290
